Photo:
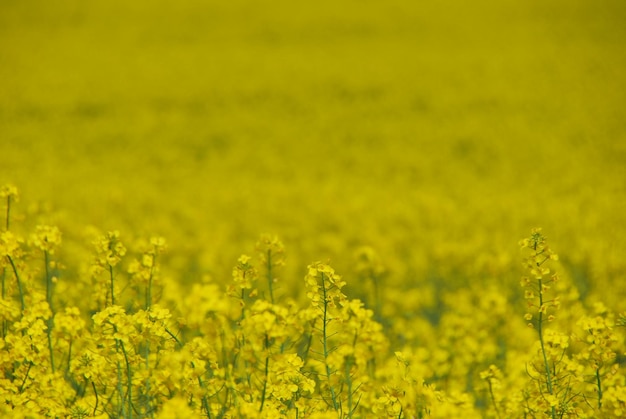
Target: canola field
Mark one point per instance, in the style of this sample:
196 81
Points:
334 209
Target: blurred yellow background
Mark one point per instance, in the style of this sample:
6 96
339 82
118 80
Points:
438 132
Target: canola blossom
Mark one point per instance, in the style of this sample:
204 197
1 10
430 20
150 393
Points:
128 349
341 210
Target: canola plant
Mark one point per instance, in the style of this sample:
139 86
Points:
339 209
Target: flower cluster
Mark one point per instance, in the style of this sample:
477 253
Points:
145 345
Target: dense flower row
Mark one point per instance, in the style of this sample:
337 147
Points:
133 346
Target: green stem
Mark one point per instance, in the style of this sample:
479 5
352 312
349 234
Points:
204 401
267 364
69 357
112 286
50 321
21 389
50 349
19 282
269 275
543 349
599 384
493 399
4 321
120 391
147 347
325 345
149 287
48 279
95 391
129 379
178 342
243 304
348 364
148 398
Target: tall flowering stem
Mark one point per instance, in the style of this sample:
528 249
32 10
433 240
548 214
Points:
10 193
492 376
109 252
47 239
266 345
8 243
244 280
325 322
20 286
272 253
599 354
7 192
537 294
324 292
144 272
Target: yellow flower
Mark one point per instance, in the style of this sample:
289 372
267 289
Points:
177 408
271 250
46 238
244 274
323 284
9 244
9 191
110 249
159 244
69 322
